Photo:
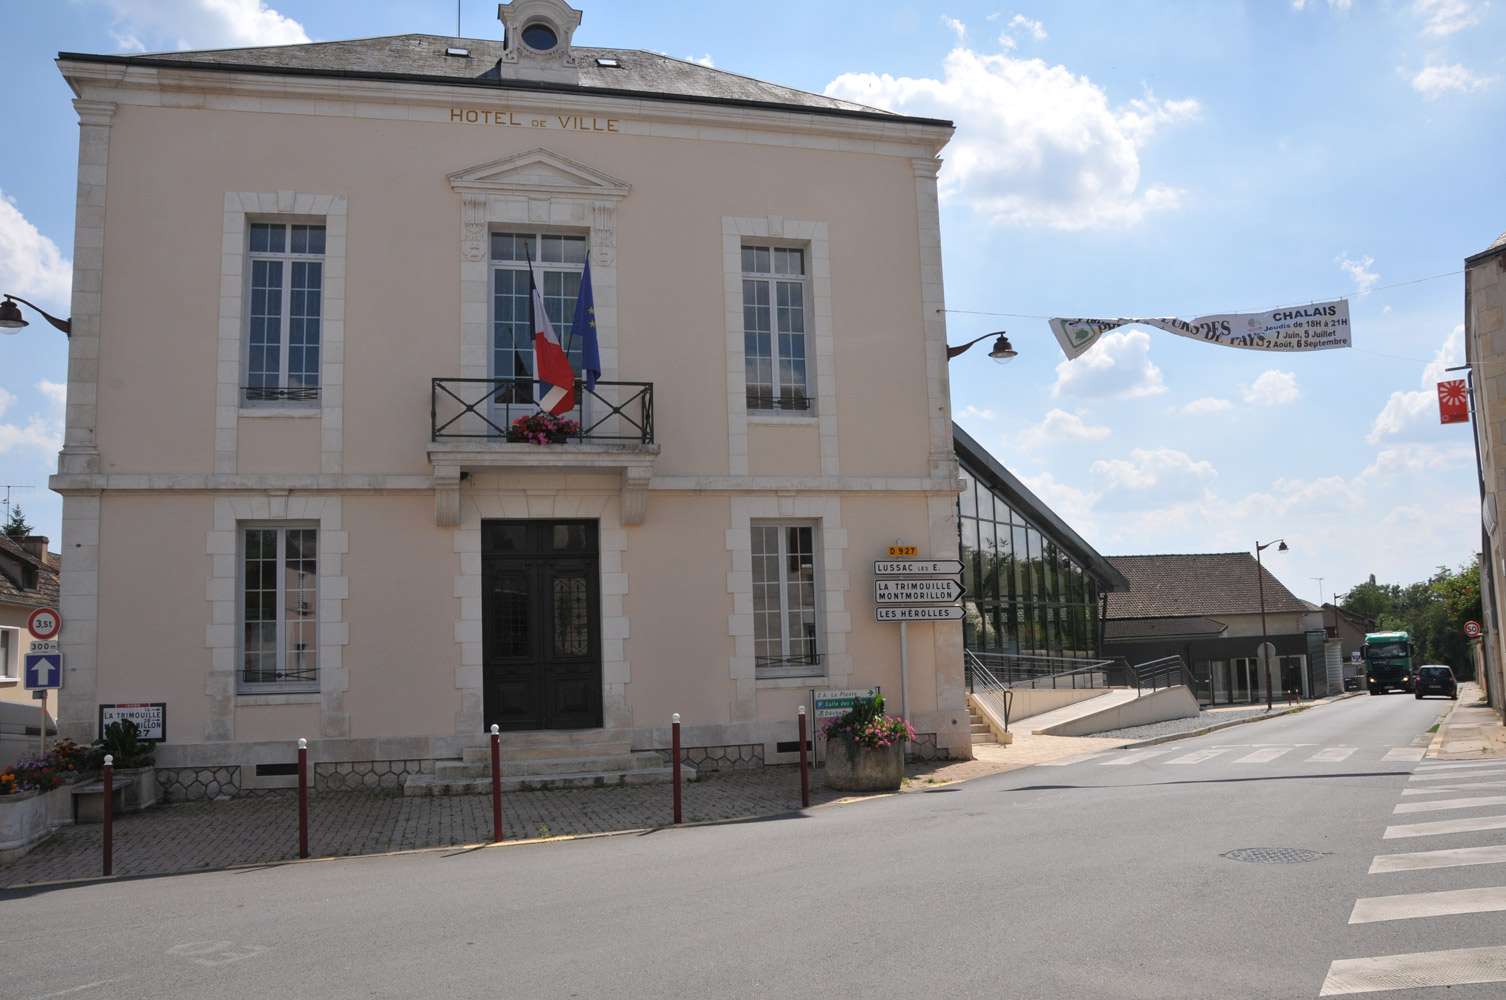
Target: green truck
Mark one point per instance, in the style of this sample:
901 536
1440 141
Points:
1388 661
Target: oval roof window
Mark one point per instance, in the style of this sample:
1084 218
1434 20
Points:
540 37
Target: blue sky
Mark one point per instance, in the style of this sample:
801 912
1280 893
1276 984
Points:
1111 159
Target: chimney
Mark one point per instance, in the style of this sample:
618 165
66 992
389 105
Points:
36 545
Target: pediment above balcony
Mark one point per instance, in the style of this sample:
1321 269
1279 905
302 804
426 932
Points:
631 462
538 171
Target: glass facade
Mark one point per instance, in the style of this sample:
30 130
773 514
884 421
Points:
1025 595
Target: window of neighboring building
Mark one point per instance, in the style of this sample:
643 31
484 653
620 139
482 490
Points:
10 644
786 632
558 263
279 607
284 311
774 328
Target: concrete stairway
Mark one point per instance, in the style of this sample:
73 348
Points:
589 758
982 731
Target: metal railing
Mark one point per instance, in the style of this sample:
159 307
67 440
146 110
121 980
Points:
1168 671
486 408
1024 670
983 685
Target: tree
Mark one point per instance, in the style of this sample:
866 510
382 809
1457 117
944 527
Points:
1432 612
16 526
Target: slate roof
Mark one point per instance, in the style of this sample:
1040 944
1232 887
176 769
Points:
11 592
1211 584
1123 629
639 75
1499 246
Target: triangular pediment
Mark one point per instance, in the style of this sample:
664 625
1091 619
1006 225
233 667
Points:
539 171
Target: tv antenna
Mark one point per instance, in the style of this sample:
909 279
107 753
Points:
8 487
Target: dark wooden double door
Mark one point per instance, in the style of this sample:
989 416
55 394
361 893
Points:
541 614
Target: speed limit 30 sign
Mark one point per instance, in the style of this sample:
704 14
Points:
44 623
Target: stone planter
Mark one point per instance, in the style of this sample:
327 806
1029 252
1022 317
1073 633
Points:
143 791
26 819
852 768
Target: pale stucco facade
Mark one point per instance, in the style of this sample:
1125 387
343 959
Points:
1485 343
167 463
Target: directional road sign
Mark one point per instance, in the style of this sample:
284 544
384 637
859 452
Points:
44 670
938 591
917 567
919 613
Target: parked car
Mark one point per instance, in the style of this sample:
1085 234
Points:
1436 679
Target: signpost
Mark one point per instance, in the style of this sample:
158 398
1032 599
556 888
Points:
44 665
916 591
150 718
917 567
835 704
44 623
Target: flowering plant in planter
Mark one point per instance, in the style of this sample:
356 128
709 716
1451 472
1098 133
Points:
542 428
43 771
867 726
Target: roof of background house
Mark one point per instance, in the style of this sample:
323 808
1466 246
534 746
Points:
1124 629
12 555
423 59
1497 247
1212 584
1030 506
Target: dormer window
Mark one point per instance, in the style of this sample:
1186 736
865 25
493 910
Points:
540 37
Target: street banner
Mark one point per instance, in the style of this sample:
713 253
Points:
1453 402
1318 326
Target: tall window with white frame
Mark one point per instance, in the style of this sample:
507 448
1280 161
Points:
9 644
284 311
774 324
279 607
559 262
785 614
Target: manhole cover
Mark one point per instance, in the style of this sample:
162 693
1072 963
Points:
1273 855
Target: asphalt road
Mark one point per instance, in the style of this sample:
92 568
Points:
1103 877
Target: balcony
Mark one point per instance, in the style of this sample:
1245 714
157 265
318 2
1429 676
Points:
469 420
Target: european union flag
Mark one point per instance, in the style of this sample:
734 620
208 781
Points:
583 325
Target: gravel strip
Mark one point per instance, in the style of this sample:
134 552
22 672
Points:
1174 726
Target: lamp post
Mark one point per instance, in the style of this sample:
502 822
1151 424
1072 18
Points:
1003 352
1265 652
11 319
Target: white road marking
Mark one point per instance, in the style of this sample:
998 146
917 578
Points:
1405 753
1133 758
1432 804
1472 825
1433 789
1488 899
1079 759
78 989
1332 755
1457 858
1456 765
1261 756
1198 756
1455 967
1453 775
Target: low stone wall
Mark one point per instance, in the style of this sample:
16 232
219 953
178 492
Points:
193 784
375 775
737 757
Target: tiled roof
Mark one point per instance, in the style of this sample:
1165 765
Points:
1212 584
424 59
12 556
1160 628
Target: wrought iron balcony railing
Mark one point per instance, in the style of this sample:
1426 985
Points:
486 408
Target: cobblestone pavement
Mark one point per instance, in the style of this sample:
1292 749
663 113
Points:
204 835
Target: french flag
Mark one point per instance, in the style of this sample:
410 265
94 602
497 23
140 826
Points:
551 366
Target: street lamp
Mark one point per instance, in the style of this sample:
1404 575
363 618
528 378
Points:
11 319
1003 352
1265 652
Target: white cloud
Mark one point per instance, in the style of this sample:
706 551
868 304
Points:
1327 494
31 265
199 24
1035 28
1118 367
1035 144
1411 410
1273 388
705 60
1447 16
1208 404
1072 505
1150 478
974 412
1359 271
1434 81
41 431
955 26
1059 428
1335 4
1406 463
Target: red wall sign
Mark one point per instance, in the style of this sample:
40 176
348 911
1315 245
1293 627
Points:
1453 402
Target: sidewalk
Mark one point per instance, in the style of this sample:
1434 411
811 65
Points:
1472 731
197 836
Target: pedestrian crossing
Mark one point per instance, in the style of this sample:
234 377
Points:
1254 753
1447 967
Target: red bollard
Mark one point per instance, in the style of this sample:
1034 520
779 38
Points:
675 741
303 798
109 815
805 774
496 784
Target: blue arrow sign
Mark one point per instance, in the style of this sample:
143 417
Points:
44 670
